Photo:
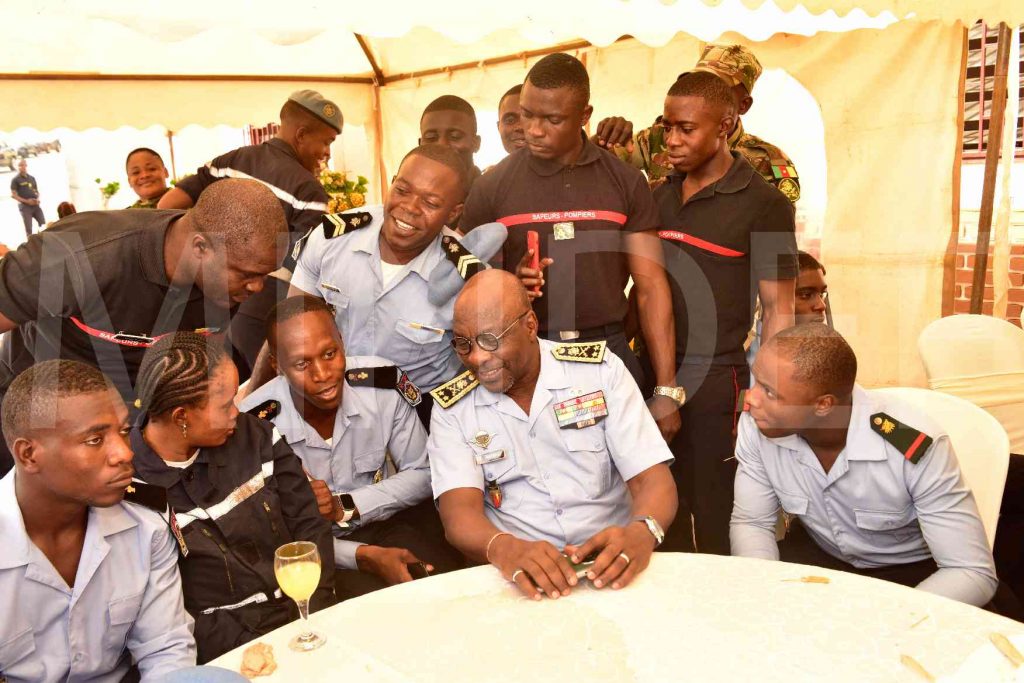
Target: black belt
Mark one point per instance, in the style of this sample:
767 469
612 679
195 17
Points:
600 332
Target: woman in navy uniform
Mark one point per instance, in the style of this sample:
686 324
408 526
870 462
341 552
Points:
235 490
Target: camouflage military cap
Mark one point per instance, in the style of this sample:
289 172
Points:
734 64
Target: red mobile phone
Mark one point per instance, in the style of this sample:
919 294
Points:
533 244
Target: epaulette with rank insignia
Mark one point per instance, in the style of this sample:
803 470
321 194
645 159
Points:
337 224
913 444
465 262
452 391
267 410
385 377
147 495
580 352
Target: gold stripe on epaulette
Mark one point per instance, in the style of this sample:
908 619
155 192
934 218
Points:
452 391
338 222
580 352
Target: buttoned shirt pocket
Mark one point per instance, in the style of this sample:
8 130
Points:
121 614
18 658
366 465
590 457
338 301
899 524
793 504
414 341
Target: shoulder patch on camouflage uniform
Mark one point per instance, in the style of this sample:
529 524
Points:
580 352
465 262
453 391
337 224
385 377
267 410
147 495
772 163
913 444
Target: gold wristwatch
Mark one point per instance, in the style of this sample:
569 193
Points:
677 394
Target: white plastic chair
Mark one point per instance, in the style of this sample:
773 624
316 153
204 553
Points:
981 359
980 442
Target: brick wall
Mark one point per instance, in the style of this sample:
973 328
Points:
964 275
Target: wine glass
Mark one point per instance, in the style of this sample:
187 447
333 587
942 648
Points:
297 568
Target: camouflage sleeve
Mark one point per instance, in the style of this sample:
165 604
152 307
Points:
773 165
648 154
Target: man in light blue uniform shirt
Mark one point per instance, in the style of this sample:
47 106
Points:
374 265
342 416
542 448
873 481
88 583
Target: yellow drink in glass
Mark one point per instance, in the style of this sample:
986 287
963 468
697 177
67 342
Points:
299 579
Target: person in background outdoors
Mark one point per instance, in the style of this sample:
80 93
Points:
289 165
235 489
88 581
147 176
25 191
510 120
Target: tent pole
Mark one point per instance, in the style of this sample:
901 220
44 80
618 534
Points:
170 143
993 142
378 81
949 259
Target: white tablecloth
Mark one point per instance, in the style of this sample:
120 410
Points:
687 618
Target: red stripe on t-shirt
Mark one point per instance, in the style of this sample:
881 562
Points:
677 236
913 447
560 216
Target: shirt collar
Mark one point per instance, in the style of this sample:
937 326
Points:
736 134
735 179
289 422
367 240
549 167
279 144
108 521
861 442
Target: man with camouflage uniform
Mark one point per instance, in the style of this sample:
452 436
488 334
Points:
738 67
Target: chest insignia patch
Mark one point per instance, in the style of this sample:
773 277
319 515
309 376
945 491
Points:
581 411
481 439
565 231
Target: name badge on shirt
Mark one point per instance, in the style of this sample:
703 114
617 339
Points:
565 231
581 411
492 456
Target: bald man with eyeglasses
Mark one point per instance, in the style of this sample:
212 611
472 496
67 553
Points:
541 453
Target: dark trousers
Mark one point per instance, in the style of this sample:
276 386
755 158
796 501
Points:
1009 548
705 463
417 529
798 547
27 214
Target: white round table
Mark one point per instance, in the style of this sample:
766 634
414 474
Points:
687 618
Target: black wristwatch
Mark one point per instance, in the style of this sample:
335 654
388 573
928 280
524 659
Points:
348 507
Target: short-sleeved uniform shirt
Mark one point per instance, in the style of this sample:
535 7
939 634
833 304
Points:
274 164
557 484
395 321
718 246
582 213
25 187
126 602
95 275
875 506
370 423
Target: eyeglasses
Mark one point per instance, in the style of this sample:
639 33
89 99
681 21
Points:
485 340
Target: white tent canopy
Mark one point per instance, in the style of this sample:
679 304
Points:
883 74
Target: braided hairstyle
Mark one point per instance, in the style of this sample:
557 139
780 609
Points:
176 372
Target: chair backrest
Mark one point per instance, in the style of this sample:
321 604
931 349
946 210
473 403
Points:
981 359
980 442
